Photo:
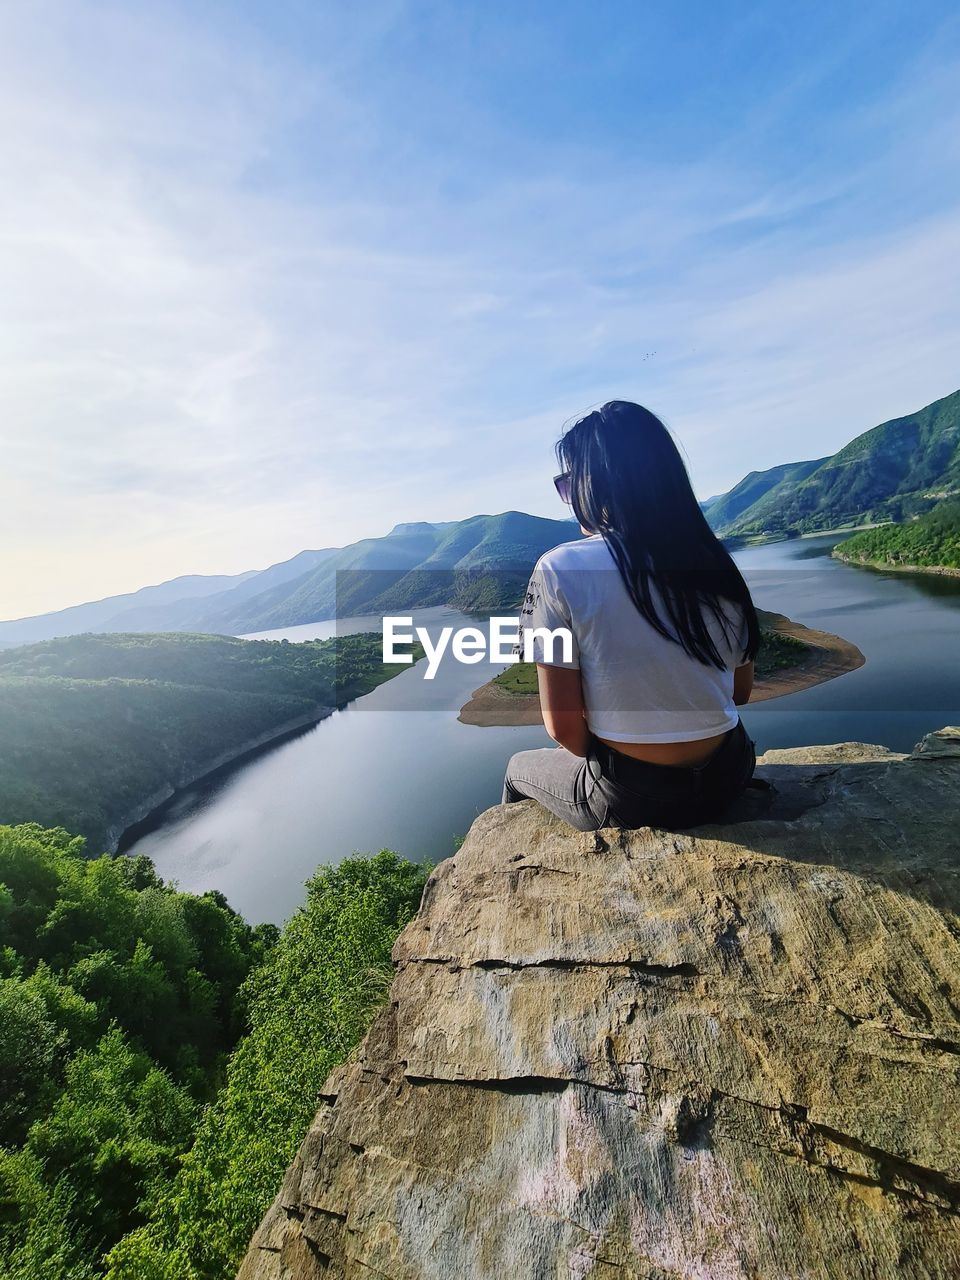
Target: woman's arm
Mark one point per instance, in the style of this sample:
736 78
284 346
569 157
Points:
561 701
743 684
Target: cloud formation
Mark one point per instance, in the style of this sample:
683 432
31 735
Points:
267 287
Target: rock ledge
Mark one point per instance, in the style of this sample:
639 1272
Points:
730 1052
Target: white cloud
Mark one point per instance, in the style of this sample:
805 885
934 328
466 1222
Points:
228 336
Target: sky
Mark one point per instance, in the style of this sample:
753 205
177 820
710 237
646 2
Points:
280 275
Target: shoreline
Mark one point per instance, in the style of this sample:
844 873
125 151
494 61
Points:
742 541
140 819
829 656
846 528
125 830
937 570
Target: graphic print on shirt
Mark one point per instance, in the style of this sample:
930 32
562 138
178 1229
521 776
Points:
531 601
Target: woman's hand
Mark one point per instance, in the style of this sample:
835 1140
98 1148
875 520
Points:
561 701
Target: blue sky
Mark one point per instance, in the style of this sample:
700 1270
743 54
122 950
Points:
281 275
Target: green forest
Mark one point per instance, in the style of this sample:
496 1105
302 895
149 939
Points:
92 726
160 1060
930 541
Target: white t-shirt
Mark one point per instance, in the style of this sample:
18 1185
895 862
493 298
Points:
638 686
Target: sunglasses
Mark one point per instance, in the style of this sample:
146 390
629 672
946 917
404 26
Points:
562 483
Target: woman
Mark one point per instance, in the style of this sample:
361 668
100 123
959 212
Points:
644 704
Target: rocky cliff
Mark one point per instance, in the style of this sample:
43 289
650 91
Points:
726 1053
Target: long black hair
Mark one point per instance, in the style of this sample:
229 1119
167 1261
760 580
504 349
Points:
628 483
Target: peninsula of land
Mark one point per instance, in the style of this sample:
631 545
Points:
793 657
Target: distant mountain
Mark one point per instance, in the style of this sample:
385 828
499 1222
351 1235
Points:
158 607
482 562
177 617
475 563
900 468
97 615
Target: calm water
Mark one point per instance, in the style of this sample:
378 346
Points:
397 770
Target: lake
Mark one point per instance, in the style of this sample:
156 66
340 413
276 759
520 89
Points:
397 770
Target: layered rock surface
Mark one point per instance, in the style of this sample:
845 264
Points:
731 1052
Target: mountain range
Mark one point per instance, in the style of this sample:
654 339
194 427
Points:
896 470
478 563
891 472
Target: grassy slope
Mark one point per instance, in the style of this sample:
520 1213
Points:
92 726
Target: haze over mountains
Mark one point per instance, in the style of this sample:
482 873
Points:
415 565
156 608
891 472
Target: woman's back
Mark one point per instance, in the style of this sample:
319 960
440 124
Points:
665 633
638 685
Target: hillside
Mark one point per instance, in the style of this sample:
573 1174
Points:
932 541
156 1070
96 730
897 469
727 1052
729 507
479 563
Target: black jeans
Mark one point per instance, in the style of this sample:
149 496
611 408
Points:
610 789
